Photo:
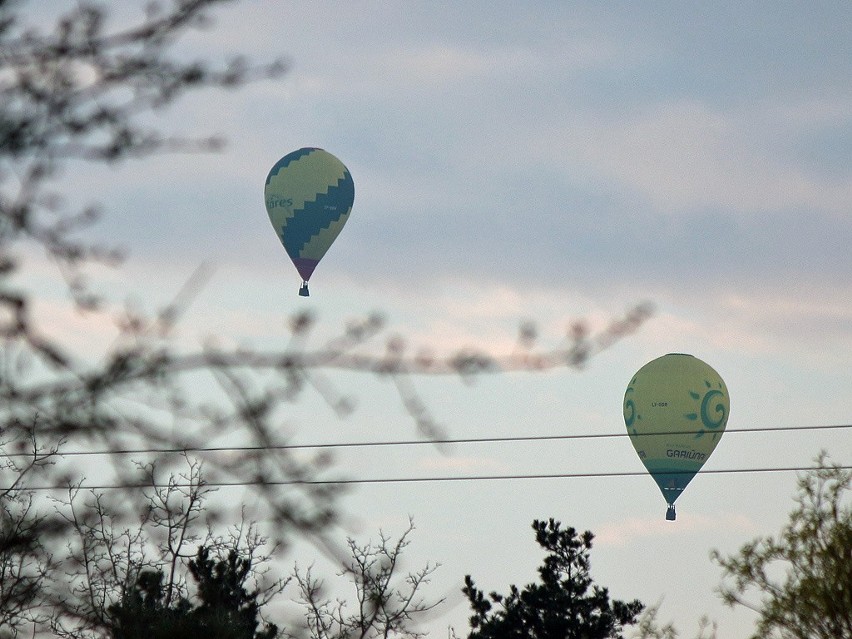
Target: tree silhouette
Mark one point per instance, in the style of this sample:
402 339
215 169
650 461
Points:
171 570
143 611
225 602
386 603
566 604
224 610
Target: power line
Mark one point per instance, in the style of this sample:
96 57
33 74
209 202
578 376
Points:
412 480
421 442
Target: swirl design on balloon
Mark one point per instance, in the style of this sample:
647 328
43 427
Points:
712 417
629 417
721 413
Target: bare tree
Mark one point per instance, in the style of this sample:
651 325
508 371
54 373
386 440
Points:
25 557
24 561
107 558
648 627
386 603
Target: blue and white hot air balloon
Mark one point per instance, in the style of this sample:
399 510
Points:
309 195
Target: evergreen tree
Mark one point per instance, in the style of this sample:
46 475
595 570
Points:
564 605
225 608
226 605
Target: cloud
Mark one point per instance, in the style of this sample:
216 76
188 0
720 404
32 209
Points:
462 465
686 155
441 64
813 328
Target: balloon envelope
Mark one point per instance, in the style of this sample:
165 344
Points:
309 195
675 409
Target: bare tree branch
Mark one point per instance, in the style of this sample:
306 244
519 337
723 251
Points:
387 603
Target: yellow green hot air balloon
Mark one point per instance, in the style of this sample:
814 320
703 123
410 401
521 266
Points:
309 195
675 409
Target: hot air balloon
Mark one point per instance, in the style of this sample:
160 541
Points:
675 409
309 195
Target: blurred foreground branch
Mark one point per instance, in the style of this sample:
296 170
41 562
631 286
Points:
85 88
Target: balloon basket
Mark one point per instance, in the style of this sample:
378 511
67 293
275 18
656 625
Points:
303 290
670 513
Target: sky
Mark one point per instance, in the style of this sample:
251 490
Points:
544 162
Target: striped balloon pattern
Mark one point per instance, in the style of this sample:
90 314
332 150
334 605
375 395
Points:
309 195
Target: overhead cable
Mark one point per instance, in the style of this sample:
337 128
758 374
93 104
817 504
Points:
430 479
421 442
